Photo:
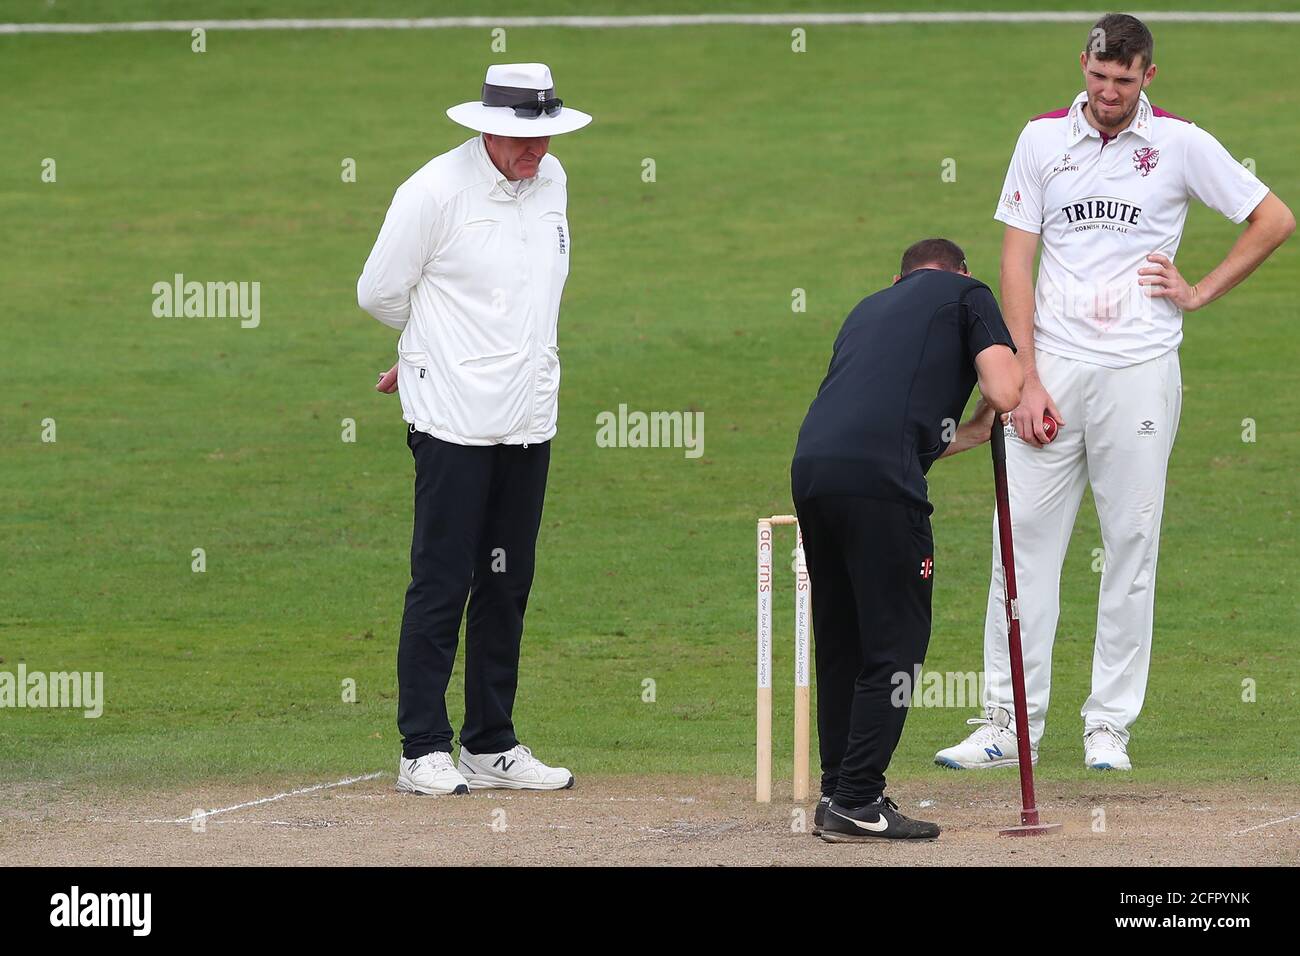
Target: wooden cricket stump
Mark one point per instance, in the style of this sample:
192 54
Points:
802 638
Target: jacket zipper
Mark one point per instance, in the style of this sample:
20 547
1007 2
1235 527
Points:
532 394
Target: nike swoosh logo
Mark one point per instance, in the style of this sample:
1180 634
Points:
880 826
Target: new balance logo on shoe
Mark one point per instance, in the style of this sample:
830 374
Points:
992 744
515 769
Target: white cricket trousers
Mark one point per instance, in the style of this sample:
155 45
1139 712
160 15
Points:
1120 428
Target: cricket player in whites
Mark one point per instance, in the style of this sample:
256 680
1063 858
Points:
1104 185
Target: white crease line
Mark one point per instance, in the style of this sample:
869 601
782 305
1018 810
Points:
279 796
653 20
1269 824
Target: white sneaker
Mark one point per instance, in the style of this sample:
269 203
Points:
515 769
1104 749
993 744
431 774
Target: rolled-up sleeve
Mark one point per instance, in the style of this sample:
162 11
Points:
406 243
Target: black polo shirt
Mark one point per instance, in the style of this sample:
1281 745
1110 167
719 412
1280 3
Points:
903 366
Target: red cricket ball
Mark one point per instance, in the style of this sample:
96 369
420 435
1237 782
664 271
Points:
1049 426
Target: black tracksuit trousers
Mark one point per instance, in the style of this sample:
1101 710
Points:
871 566
477 512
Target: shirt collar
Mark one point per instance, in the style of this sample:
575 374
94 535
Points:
502 188
1078 128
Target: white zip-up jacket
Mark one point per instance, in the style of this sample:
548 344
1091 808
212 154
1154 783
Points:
471 273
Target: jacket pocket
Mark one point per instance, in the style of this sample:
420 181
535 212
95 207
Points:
414 384
478 361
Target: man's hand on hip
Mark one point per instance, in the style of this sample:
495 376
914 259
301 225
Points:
387 381
1166 282
1028 415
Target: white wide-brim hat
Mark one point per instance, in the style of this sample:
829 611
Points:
514 88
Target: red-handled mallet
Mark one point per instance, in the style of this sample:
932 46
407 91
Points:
1029 825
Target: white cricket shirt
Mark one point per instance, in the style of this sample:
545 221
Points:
470 267
1101 207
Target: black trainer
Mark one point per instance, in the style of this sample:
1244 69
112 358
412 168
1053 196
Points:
819 815
878 820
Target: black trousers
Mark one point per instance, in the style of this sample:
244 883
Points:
871 566
477 512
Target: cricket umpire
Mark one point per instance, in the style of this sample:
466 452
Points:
469 266
901 372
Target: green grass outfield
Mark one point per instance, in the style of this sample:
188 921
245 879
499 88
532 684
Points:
101 11
775 170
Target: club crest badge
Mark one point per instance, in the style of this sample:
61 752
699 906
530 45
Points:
1145 159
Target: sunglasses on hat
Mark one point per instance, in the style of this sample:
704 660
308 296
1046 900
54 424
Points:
532 110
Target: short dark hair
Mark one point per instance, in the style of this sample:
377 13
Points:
941 252
1121 38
